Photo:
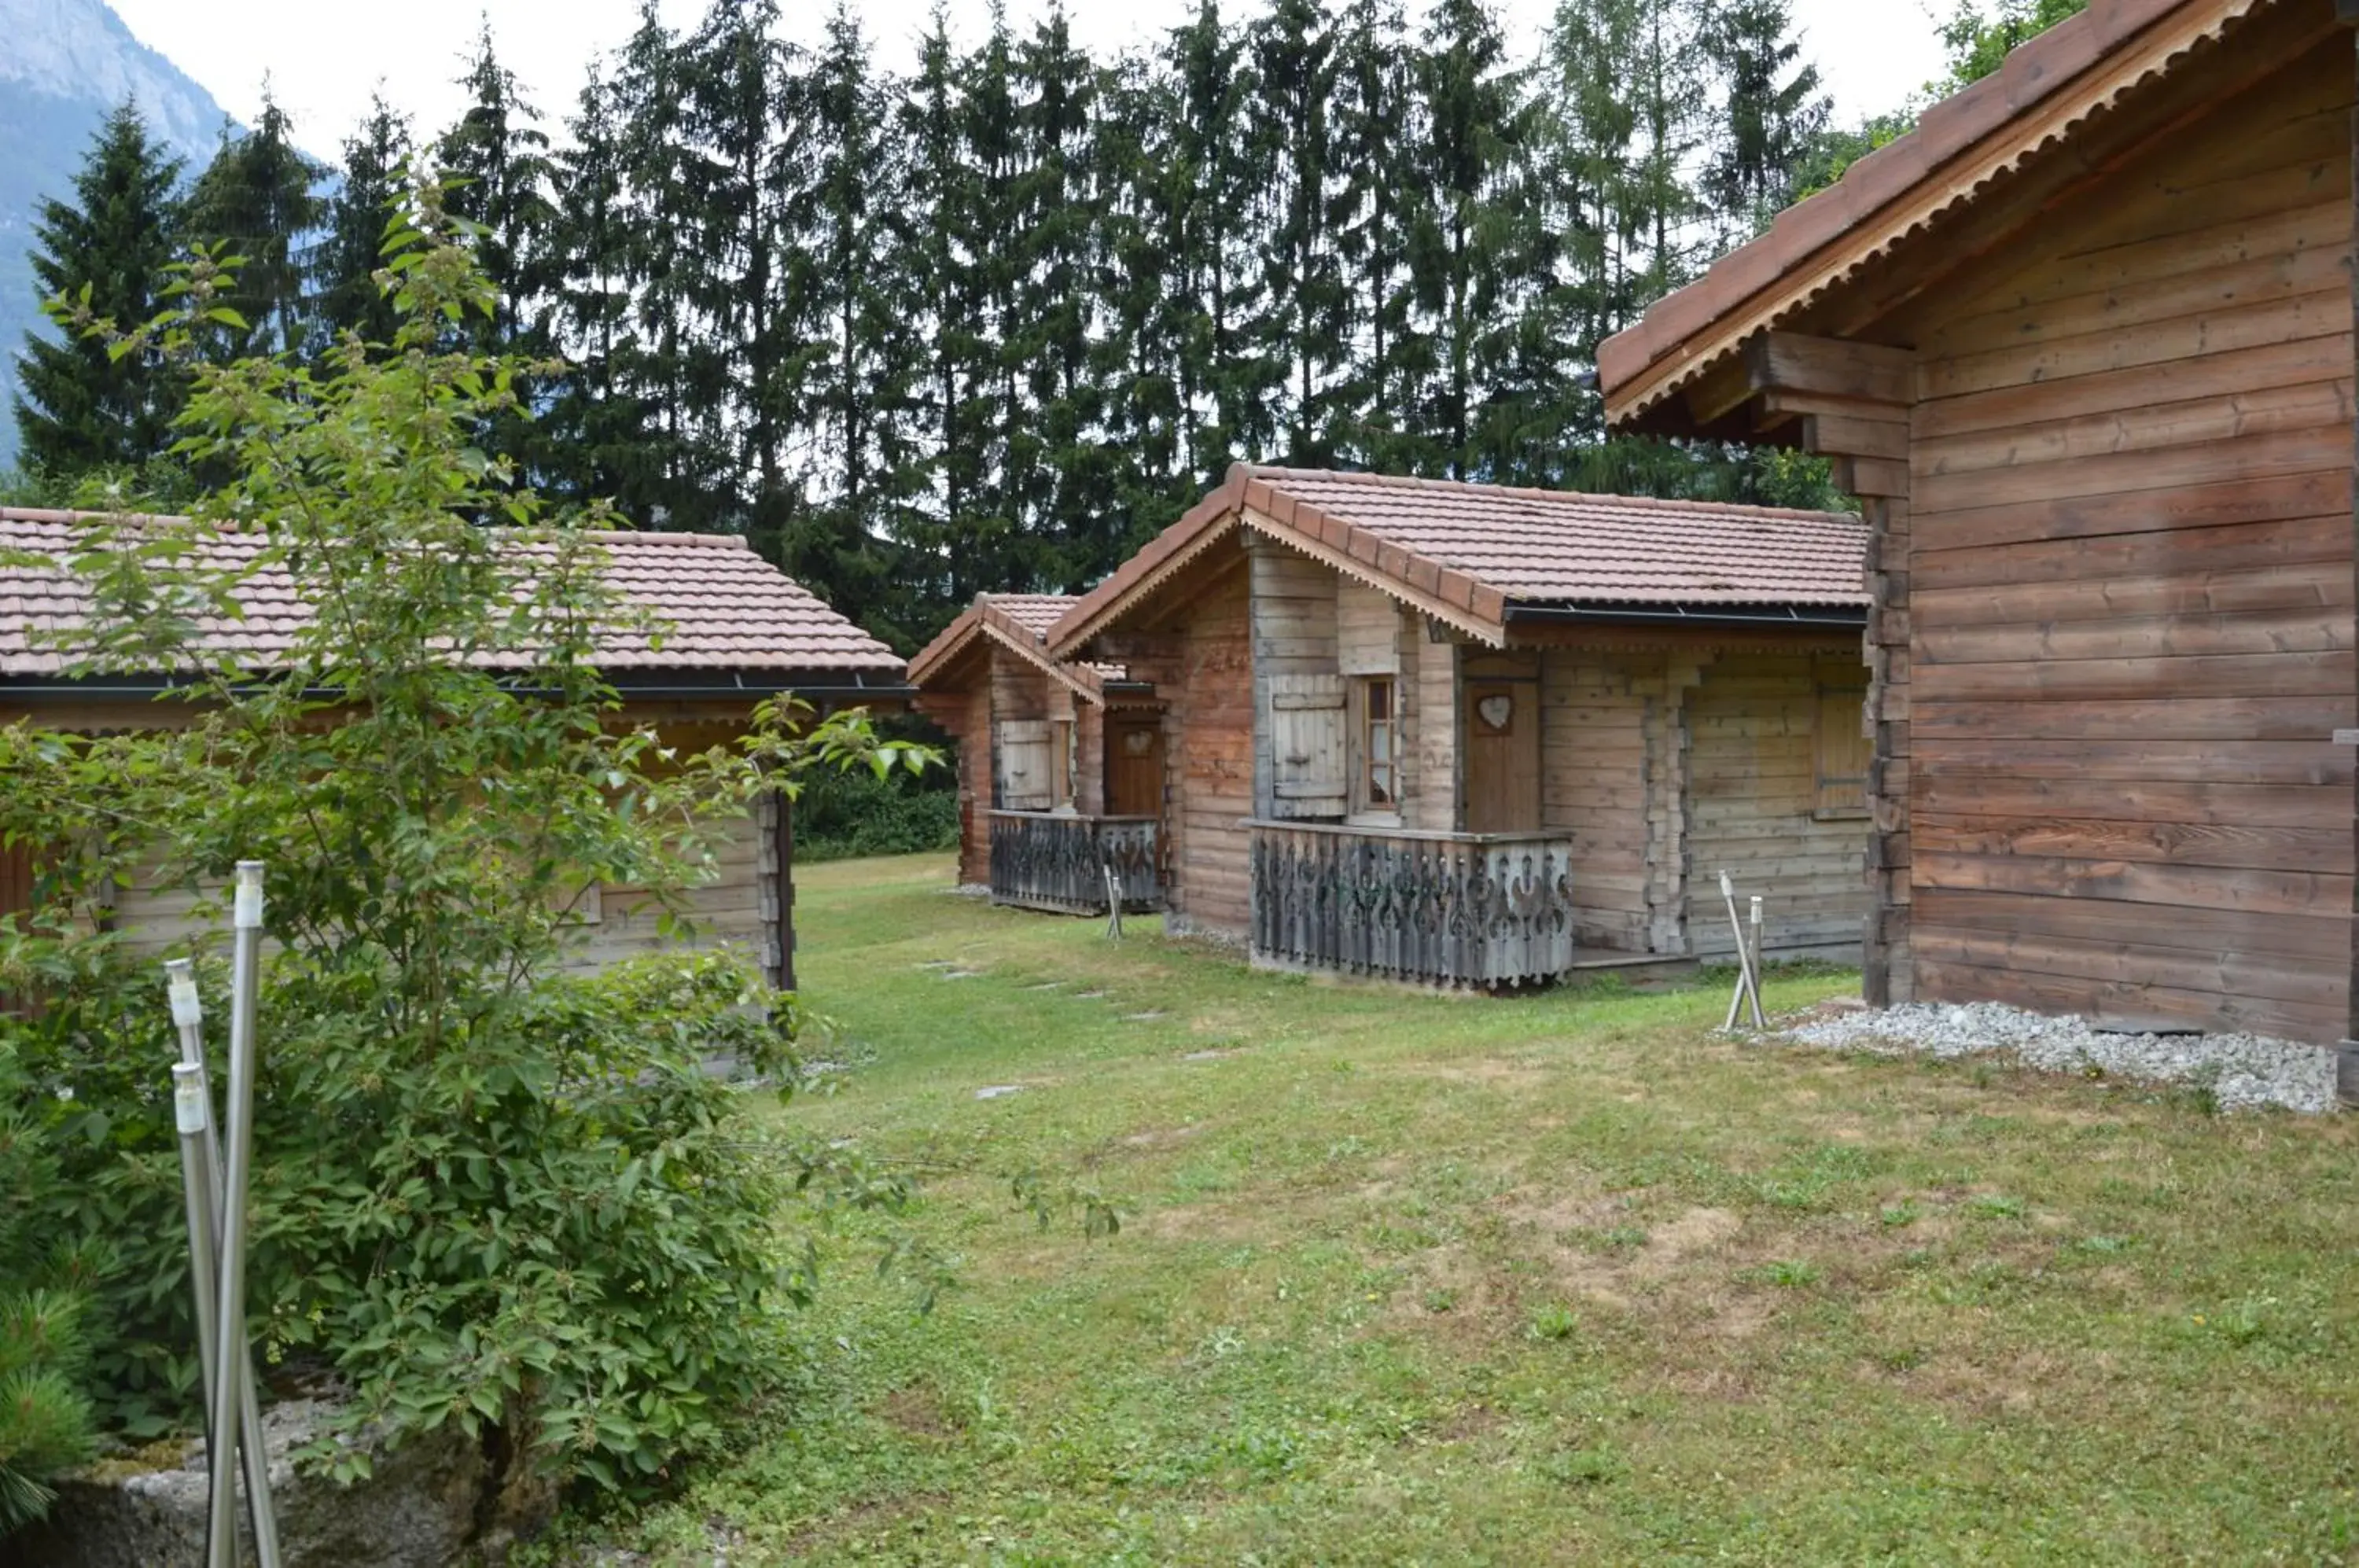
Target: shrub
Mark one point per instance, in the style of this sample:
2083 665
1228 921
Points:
485 1192
843 815
45 1420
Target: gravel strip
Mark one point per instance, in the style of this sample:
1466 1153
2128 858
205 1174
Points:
2244 1072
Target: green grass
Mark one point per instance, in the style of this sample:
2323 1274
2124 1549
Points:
1407 1278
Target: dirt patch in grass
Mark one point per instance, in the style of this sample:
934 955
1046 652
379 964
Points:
918 1411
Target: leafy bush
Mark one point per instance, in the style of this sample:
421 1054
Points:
842 815
485 1192
45 1420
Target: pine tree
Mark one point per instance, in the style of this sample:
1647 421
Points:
1772 113
1463 254
598 421
256 197
345 261
1001 429
860 355
497 159
1057 466
937 280
1216 261
1144 310
1378 206
77 408
1298 340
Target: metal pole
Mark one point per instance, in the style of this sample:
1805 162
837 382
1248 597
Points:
189 1017
238 1157
1758 1021
192 1116
1745 985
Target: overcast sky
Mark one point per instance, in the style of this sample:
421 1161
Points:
1873 53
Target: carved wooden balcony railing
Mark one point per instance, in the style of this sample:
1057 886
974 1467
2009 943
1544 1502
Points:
1487 911
1042 860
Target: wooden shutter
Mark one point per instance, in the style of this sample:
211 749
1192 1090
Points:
1842 749
1308 754
1023 748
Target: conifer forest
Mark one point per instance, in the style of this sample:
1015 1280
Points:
989 322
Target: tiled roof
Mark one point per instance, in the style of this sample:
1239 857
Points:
2049 87
1020 622
1468 551
718 605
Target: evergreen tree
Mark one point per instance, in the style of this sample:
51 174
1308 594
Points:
1378 206
1772 113
1057 468
1215 258
1464 252
861 357
257 198
496 160
77 408
1006 447
345 261
1299 337
597 419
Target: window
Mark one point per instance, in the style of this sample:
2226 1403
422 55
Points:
1379 746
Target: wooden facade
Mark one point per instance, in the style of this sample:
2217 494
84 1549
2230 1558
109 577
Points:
2100 407
1355 784
1061 763
737 633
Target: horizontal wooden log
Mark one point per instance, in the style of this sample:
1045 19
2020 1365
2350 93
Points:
1939 980
1834 367
2189 677
2079 563
2261 892
2248 633
2225 847
2322 937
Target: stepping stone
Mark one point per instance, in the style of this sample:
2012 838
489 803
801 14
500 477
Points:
1206 1055
999 1091
1047 985
1088 995
1143 1017
962 974
938 964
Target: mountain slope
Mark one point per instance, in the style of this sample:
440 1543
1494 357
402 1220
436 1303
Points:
67 64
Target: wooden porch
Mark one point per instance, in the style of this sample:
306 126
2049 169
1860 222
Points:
1057 861
1489 910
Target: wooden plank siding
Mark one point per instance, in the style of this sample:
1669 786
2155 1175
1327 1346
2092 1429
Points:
2127 589
1752 725
1210 748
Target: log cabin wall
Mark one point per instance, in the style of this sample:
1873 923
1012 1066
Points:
1209 751
963 712
2127 583
1774 771
1607 781
747 905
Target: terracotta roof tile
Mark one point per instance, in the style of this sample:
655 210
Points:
1029 615
721 606
1480 548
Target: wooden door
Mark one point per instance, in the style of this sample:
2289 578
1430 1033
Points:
1502 757
1133 767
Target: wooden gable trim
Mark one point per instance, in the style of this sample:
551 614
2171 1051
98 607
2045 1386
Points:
1445 593
1140 581
2049 89
1083 681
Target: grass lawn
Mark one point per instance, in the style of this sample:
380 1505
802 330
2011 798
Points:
1407 1278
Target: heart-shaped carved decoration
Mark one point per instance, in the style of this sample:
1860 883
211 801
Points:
1138 743
1495 710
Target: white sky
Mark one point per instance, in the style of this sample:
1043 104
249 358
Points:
1873 53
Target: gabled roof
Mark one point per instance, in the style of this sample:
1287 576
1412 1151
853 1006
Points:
1019 623
720 607
2049 89
1474 555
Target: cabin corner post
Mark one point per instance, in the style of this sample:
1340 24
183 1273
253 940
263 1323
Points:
1852 402
2347 1053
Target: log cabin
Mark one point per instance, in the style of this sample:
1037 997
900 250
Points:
1061 761
1466 735
736 632
2082 343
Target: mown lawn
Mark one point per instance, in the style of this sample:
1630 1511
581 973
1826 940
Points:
1406 1279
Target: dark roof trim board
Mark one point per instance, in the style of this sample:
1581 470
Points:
2048 88
1476 557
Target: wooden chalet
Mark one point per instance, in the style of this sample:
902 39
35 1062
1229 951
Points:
1061 762
1460 734
737 631
2082 343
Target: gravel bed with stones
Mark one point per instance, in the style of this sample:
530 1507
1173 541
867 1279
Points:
2244 1072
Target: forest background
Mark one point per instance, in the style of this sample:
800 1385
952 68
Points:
989 324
